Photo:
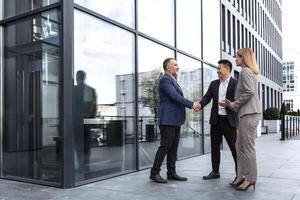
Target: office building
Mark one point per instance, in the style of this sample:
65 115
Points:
257 25
78 79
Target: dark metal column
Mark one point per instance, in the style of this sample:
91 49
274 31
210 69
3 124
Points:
136 83
67 69
1 99
202 84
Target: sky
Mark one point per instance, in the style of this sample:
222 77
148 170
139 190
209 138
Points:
291 29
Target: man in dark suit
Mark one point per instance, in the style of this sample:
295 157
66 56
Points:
223 121
171 116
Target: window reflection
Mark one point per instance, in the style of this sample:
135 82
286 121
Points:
188 18
159 25
44 28
32 138
103 98
119 10
211 15
209 74
151 56
189 79
85 106
85 97
15 7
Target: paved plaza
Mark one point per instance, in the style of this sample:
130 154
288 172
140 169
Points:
278 178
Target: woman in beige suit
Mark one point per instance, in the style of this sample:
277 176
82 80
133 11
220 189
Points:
248 107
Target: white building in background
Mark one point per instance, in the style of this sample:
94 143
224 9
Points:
256 25
291 82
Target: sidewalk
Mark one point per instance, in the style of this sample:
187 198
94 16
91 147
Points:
278 178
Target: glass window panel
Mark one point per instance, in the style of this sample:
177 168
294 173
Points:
121 11
32 138
189 26
103 98
15 7
211 45
209 74
156 18
150 70
189 78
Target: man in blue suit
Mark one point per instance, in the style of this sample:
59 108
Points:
171 116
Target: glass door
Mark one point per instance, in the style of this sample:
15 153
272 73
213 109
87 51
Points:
31 138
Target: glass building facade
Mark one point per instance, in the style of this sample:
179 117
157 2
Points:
78 86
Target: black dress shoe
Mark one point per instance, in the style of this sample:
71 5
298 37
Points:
176 177
157 178
211 176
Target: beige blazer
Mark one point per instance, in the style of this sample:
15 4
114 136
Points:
246 94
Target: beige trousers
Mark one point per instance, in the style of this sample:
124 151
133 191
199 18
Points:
245 147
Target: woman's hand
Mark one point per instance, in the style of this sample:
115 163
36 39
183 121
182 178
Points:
233 106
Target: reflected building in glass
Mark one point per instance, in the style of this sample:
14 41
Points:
79 97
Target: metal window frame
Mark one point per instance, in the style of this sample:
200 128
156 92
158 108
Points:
29 13
68 180
1 91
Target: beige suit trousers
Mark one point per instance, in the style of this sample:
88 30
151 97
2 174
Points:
245 147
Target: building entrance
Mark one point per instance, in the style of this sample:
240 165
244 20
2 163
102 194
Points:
31 134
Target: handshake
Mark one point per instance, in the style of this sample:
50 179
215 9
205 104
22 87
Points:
196 107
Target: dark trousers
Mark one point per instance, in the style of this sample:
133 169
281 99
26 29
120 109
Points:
216 133
168 146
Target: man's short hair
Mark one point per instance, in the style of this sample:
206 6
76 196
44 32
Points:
166 62
226 63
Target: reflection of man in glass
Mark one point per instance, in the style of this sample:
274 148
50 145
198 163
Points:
85 106
85 96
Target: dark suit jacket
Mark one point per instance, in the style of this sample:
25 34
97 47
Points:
85 102
213 93
171 101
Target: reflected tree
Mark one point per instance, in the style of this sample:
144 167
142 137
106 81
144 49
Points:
192 117
149 92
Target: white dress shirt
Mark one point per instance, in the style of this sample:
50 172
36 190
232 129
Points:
222 94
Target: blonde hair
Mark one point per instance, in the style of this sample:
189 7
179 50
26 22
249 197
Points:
249 59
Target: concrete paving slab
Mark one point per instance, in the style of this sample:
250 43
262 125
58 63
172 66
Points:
278 179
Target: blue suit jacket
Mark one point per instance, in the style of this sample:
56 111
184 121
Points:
172 103
213 93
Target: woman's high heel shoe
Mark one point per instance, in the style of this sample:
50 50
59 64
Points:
236 184
244 188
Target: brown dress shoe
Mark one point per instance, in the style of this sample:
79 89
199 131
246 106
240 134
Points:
176 177
157 178
212 175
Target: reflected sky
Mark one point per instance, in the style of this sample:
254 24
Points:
211 31
152 55
189 26
156 18
119 10
102 51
